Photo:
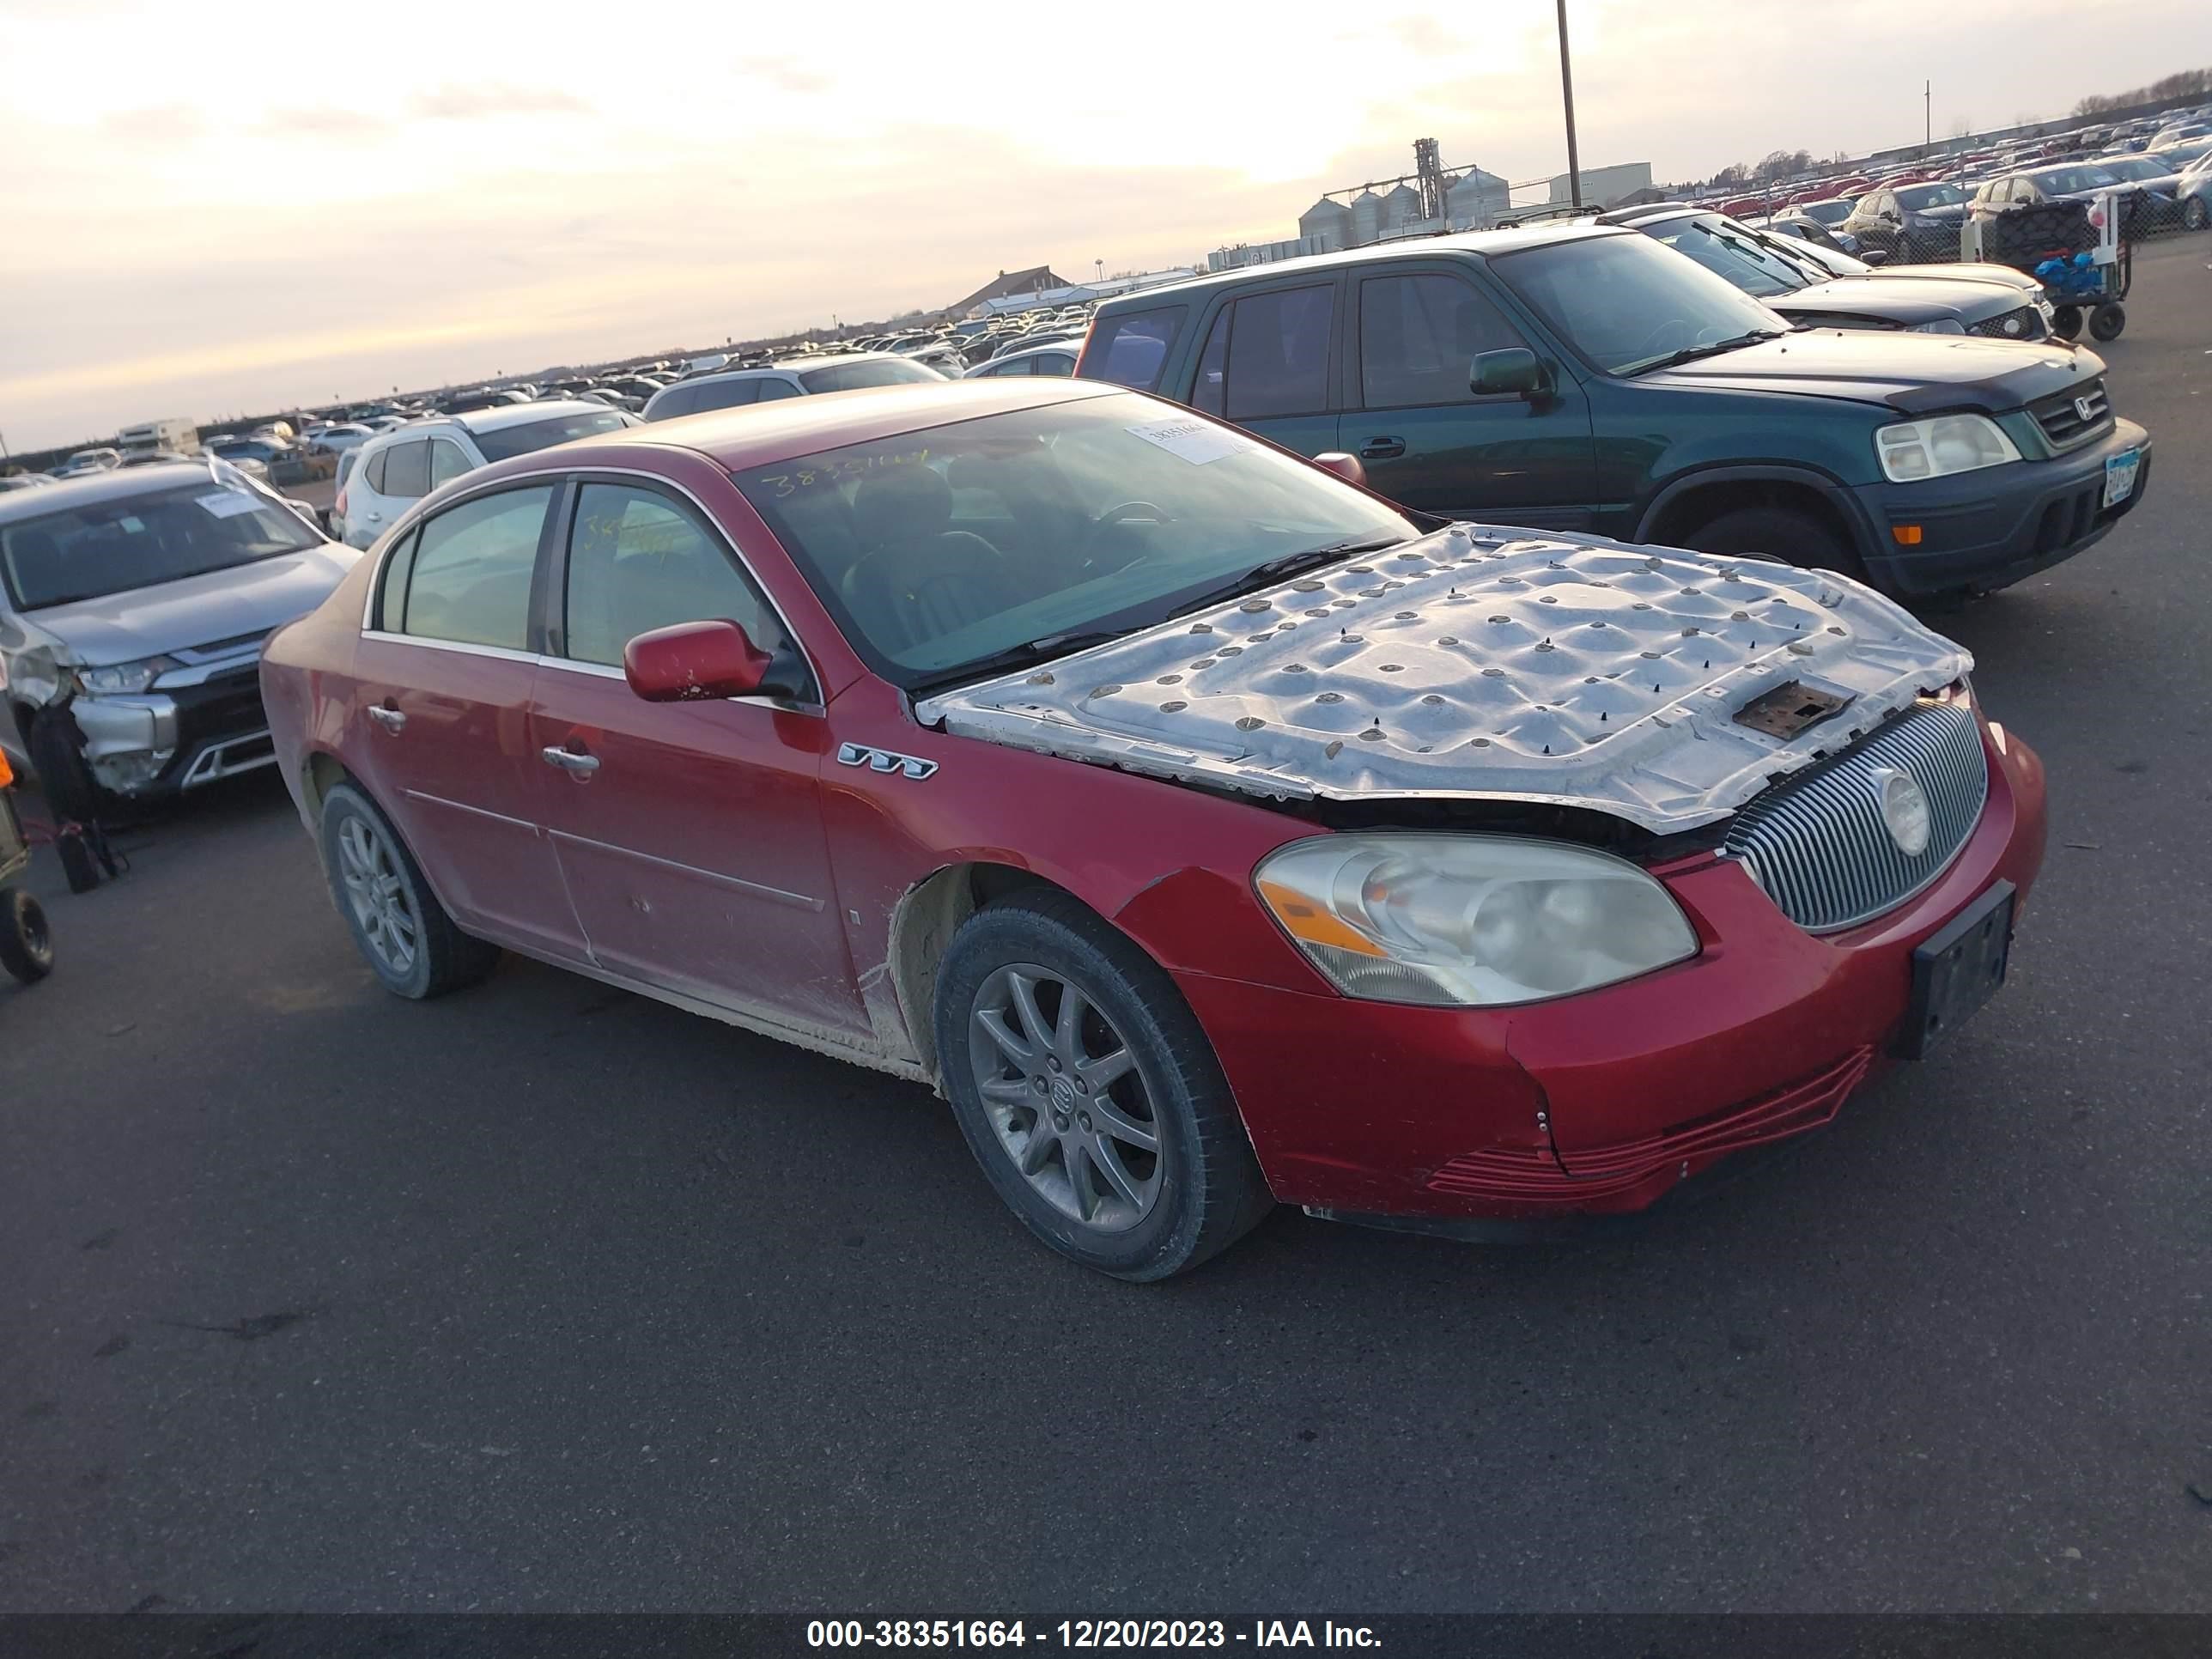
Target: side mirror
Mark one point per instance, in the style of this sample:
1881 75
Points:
692 662
1874 256
1511 372
1347 467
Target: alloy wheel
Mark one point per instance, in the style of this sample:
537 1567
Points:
382 905
1066 1097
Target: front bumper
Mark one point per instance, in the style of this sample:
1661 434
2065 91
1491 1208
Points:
160 742
1983 531
1603 1102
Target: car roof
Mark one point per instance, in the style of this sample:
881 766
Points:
498 415
1486 242
759 435
120 484
786 366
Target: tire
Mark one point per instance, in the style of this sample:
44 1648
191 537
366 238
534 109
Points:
2066 322
1781 532
2195 214
401 930
2107 320
1198 1190
27 948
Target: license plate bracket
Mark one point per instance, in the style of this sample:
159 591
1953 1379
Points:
1957 970
2120 476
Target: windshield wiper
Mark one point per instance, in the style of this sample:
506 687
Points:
1051 647
1275 570
1712 349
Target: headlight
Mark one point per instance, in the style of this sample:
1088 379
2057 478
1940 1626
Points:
1912 450
122 678
1470 921
1941 326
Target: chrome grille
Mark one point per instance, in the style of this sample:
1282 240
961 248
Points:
2022 323
2061 415
1817 843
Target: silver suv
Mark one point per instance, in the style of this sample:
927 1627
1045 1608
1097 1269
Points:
133 605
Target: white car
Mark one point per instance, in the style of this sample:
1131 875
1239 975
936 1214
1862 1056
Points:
1053 357
392 471
87 461
794 376
347 434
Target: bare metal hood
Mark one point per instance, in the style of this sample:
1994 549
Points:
1483 664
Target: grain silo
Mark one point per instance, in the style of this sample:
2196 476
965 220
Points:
1474 200
1366 218
1401 208
1330 220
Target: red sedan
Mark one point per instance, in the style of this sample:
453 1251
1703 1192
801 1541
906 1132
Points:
1209 831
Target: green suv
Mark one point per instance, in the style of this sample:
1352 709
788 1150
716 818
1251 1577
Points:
1587 377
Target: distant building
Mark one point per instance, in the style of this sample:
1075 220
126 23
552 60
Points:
1265 254
1604 187
1008 285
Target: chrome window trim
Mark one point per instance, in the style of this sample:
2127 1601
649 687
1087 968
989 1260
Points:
597 671
407 521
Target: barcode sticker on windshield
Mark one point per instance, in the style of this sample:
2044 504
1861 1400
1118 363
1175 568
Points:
1195 441
230 503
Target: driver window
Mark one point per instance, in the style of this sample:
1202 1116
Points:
637 561
1419 334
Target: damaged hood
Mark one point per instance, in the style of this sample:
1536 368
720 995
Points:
216 606
1485 665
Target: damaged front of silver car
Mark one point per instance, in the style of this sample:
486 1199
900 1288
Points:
132 608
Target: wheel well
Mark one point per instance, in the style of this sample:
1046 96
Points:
1699 504
923 926
322 773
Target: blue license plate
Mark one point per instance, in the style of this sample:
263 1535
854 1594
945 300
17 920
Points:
2120 476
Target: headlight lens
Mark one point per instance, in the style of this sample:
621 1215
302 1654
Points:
1941 325
1470 921
122 678
1912 450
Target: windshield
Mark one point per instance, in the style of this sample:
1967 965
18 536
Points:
2069 181
2133 167
941 548
165 535
874 371
1828 213
504 442
1915 197
1625 303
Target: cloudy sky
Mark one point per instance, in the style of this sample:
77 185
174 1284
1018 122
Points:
212 211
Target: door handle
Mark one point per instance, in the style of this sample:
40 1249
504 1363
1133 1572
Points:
574 765
1382 449
392 720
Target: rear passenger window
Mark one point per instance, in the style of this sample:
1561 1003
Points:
677 400
725 394
373 474
1278 353
407 470
771 389
472 566
1419 334
1052 362
1131 348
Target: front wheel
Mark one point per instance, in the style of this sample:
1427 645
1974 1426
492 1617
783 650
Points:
2106 321
2066 322
27 947
401 929
2194 213
1780 532
1088 1091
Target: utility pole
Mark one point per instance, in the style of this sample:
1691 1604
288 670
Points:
1927 113
1567 97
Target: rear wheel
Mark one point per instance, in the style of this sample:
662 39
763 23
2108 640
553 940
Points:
2066 322
1088 1091
27 948
1780 532
2194 213
2106 321
399 925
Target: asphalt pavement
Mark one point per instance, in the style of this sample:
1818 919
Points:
547 1297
